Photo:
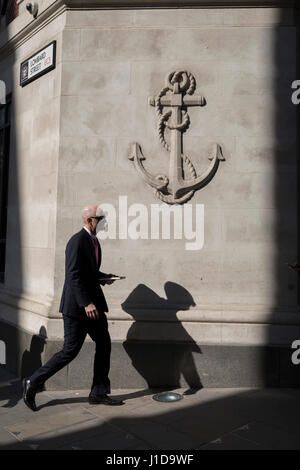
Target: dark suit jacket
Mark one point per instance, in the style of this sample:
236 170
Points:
82 275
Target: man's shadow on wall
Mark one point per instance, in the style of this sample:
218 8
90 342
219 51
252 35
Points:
31 360
163 360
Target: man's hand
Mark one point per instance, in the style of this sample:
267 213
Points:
91 311
110 281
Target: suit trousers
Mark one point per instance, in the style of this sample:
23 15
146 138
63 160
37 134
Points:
75 331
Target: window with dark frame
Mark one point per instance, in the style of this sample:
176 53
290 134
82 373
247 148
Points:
5 111
12 10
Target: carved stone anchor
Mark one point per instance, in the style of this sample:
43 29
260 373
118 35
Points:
175 189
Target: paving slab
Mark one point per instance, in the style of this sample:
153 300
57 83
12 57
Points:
41 424
157 435
93 434
110 412
71 435
268 436
109 441
232 442
255 435
206 422
7 439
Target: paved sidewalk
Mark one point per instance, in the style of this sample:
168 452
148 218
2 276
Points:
209 419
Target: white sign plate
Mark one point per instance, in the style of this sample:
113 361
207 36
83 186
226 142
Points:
40 63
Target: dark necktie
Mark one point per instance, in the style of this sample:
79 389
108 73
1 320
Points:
96 248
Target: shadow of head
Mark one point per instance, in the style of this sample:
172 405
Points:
38 341
178 295
144 301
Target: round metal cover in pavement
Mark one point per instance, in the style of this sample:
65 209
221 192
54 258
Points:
167 397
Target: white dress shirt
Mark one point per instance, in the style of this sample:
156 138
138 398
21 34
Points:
88 231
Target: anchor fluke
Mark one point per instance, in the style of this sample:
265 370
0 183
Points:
136 152
218 153
159 181
204 178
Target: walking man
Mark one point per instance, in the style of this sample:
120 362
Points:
82 305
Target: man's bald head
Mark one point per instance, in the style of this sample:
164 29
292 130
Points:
88 211
91 216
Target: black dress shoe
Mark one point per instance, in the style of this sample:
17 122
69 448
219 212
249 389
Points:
104 400
29 393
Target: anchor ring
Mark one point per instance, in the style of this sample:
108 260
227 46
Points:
172 78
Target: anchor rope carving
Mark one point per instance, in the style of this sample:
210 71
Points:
164 117
175 189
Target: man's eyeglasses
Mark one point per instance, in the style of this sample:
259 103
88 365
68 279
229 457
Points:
100 217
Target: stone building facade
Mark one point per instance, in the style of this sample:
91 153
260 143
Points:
224 314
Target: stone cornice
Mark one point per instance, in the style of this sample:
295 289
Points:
16 34
178 3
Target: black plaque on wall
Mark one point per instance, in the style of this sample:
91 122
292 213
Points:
38 64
